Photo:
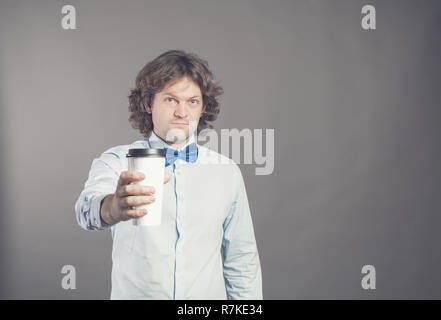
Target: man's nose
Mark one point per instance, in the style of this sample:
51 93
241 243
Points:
180 111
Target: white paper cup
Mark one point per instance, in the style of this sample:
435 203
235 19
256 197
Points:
151 162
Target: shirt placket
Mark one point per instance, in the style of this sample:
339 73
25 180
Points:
180 212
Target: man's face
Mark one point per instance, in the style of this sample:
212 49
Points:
174 108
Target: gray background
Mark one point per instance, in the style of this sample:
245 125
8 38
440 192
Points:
356 118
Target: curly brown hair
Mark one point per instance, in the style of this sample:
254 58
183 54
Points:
156 74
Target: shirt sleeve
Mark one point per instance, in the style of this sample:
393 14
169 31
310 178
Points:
102 181
242 271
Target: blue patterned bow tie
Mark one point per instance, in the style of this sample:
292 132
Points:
189 154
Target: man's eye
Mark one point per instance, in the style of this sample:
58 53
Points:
194 101
170 99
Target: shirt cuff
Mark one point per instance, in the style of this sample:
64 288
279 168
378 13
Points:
98 222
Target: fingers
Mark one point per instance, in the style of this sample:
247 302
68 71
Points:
133 213
135 190
134 201
130 176
127 177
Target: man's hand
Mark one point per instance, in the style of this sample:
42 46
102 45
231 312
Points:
119 206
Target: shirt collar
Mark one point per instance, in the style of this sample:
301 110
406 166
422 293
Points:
157 143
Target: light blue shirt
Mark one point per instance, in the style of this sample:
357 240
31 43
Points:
205 247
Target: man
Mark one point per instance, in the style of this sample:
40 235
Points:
205 246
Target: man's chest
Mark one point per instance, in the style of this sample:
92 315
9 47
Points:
199 194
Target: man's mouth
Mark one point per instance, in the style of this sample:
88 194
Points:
180 123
